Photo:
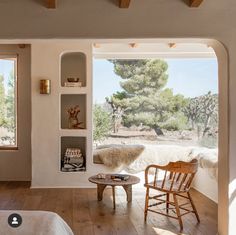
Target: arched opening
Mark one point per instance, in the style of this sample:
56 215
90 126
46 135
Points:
223 120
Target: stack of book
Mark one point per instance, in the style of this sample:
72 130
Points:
119 177
73 160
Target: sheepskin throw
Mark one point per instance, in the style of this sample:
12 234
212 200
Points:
118 156
135 158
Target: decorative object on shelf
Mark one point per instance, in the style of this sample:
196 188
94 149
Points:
101 176
72 79
45 86
73 117
73 160
73 82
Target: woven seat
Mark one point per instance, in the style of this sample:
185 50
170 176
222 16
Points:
176 181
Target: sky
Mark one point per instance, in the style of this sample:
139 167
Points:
189 77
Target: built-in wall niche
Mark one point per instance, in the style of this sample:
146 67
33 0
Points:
73 154
73 103
73 65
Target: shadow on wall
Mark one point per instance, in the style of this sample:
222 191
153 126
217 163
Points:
233 194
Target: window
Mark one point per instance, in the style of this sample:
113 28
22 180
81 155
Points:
156 102
8 102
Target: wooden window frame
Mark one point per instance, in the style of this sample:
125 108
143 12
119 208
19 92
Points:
14 57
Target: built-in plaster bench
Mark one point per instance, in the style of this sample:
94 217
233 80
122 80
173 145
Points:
135 158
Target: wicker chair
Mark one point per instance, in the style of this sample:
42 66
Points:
177 178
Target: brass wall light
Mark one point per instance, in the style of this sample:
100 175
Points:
45 86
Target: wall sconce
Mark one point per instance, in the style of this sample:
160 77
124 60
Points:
45 86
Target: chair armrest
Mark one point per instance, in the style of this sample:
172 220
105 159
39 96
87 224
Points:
156 167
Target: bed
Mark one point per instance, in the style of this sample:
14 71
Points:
34 223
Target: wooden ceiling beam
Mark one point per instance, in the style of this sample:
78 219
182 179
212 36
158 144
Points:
51 4
124 3
195 3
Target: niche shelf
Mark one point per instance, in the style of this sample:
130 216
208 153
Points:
73 65
73 135
71 100
73 164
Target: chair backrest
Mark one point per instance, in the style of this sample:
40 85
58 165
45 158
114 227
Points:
178 176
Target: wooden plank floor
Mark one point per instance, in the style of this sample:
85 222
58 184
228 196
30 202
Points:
86 216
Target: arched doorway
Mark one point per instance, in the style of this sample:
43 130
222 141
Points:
223 165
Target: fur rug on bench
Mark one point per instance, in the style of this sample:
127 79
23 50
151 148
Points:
135 158
117 156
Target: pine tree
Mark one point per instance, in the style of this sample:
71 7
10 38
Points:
144 98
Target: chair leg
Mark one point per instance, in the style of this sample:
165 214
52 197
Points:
193 206
167 202
178 212
146 204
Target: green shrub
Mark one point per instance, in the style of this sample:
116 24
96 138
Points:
102 123
175 123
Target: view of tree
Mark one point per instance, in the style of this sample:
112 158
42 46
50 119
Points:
141 77
101 122
203 111
10 105
7 109
144 99
118 105
145 102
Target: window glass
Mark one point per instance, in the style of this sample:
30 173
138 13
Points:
8 102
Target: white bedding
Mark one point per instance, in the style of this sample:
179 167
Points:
34 223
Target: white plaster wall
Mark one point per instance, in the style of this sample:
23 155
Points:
46 129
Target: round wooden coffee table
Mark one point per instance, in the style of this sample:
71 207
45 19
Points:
103 183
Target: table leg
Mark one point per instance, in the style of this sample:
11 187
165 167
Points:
100 189
114 197
128 190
